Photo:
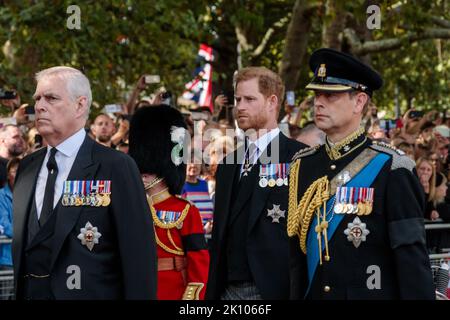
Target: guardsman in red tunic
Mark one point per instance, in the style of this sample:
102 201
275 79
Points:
157 134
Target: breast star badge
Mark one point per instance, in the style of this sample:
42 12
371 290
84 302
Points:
275 213
356 232
89 236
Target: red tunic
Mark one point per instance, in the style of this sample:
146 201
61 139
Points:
190 282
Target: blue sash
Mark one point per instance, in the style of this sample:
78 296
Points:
363 179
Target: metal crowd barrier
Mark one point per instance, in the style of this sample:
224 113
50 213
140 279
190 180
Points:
438 259
6 277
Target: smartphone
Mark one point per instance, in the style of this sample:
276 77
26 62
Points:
415 114
149 79
113 108
290 98
29 110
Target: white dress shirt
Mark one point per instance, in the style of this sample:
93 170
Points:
261 145
65 157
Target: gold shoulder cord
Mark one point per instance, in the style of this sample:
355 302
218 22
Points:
294 218
168 226
299 217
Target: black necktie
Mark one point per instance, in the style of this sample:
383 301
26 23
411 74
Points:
47 206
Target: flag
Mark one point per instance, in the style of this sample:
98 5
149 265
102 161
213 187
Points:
199 89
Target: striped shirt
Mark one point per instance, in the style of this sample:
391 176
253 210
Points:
199 195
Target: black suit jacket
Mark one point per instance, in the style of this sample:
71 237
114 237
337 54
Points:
267 242
123 264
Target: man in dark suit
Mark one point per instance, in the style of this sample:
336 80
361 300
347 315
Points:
355 205
82 227
249 256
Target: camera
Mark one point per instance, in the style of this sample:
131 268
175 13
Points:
5 95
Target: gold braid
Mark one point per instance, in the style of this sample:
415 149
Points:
293 221
299 217
311 201
168 226
166 248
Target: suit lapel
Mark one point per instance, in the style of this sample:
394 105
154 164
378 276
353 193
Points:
83 169
228 169
244 190
23 194
259 199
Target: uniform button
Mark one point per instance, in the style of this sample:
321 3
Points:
326 289
333 167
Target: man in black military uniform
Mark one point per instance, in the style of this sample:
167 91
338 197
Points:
249 254
82 226
355 206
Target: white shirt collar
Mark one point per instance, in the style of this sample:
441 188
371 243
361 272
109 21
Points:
72 144
263 141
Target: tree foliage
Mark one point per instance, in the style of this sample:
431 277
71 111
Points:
119 40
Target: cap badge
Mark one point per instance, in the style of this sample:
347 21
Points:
322 71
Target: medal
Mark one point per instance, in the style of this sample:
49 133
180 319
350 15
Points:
98 200
272 181
356 232
369 201
361 210
338 206
65 198
106 195
286 170
106 200
263 176
263 182
344 200
280 180
276 213
89 236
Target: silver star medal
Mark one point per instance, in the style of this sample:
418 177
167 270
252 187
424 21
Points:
89 236
275 213
356 232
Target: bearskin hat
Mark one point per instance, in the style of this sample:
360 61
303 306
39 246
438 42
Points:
153 132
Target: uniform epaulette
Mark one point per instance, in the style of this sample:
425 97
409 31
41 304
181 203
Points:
305 152
399 158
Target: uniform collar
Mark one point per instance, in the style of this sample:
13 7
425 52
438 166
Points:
350 143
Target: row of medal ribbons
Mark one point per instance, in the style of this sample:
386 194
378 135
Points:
354 200
273 175
168 216
94 193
